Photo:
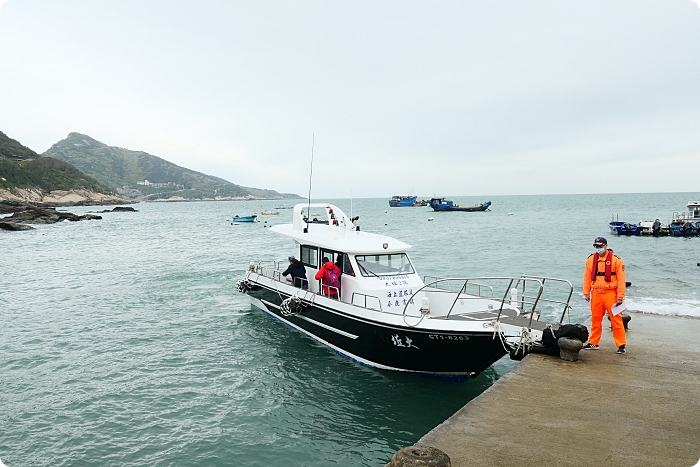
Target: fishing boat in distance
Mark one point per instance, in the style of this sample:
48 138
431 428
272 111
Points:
238 218
442 204
686 224
402 201
654 228
382 314
625 228
269 213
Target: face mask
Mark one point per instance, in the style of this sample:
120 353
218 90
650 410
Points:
600 251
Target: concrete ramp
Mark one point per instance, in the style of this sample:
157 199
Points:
638 409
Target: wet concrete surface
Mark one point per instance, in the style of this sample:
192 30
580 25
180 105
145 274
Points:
637 409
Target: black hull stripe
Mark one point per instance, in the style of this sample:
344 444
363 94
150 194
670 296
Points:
339 350
313 321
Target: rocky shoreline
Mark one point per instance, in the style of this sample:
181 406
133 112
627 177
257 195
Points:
25 214
58 198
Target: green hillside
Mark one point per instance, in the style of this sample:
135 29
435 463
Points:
20 167
125 171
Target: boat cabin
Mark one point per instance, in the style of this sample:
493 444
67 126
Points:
692 212
376 272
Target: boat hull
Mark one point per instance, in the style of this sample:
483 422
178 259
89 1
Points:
462 209
685 229
401 348
244 219
625 228
405 202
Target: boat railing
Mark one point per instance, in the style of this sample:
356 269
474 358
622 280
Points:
471 284
322 288
530 287
564 303
360 299
273 264
273 273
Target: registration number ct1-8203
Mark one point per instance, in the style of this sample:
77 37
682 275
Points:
448 337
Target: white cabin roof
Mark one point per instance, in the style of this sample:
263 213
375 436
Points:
342 237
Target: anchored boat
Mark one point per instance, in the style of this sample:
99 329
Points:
625 228
402 201
687 224
442 204
655 228
385 315
238 218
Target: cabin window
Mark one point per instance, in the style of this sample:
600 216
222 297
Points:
382 265
309 256
330 254
339 259
343 263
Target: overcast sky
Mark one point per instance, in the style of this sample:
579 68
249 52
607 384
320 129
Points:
449 98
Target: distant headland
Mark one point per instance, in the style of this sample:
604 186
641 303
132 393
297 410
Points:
80 170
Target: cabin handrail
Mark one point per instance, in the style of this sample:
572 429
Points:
352 300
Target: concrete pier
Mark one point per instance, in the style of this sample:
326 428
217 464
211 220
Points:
638 409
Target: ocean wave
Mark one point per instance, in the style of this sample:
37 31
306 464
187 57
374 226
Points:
665 306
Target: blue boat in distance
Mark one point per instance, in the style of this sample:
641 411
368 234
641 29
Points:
238 218
442 204
625 228
402 201
687 224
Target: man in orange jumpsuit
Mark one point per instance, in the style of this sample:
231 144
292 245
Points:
604 286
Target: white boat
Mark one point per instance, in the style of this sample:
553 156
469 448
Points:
655 227
692 213
387 316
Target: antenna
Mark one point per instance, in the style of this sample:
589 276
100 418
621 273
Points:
311 173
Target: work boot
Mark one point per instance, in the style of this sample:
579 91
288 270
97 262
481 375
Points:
621 350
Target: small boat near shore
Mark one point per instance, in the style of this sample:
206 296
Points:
442 204
382 313
237 218
402 201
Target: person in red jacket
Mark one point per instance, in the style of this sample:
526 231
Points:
329 275
604 286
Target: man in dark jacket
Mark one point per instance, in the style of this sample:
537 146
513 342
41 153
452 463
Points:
298 272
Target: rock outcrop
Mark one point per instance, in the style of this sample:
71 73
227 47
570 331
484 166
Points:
23 215
60 197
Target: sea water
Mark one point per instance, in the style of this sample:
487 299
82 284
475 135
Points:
123 341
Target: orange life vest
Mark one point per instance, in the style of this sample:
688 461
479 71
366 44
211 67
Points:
608 267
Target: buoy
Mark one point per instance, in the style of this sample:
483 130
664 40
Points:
385 210
430 218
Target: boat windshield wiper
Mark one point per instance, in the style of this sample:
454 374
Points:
365 270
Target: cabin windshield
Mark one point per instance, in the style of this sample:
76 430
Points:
382 265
